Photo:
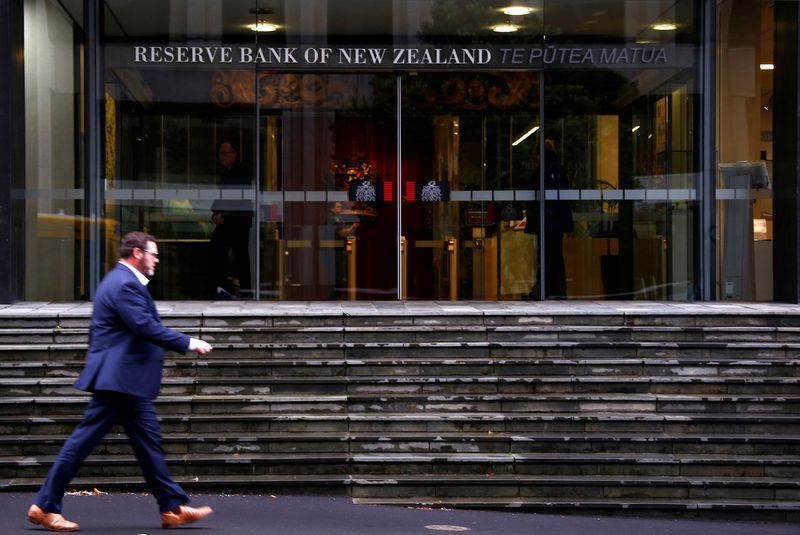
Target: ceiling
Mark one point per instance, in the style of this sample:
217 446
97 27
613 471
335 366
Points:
606 20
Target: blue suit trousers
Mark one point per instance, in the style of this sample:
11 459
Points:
138 417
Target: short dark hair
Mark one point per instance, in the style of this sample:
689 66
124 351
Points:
134 240
233 146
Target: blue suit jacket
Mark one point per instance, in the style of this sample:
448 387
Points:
127 339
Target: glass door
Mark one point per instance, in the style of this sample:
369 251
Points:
328 223
468 183
613 169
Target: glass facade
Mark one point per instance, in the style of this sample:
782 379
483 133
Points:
403 149
744 193
54 226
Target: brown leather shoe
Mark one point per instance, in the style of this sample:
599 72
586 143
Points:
188 514
51 521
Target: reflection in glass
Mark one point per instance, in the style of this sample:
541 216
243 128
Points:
329 224
229 246
56 230
629 163
744 189
167 148
460 129
321 150
172 181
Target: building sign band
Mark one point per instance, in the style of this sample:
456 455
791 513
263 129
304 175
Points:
413 58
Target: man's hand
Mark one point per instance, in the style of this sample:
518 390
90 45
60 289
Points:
218 219
203 347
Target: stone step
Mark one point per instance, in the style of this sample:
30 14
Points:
746 508
328 442
430 354
264 322
513 334
445 355
193 465
438 334
710 424
454 360
440 464
461 367
182 422
476 493
705 422
565 487
176 385
43 354
421 403
354 390
214 318
609 484
183 404
566 402
247 313
503 366
321 484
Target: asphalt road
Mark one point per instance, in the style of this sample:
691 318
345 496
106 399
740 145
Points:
134 514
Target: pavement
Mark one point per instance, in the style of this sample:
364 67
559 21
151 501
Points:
137 514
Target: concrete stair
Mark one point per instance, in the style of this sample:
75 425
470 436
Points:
552 406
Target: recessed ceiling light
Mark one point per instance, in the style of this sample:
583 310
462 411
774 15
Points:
263 26
665 26
505 28
517 11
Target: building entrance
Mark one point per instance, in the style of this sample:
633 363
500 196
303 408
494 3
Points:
377 186
469 183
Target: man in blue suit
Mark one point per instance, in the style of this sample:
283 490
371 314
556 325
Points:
123 373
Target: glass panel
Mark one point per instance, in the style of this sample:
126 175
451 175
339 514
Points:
465 186
620 124
621 186
620 172
179 162
56 232
327 181
620 22
744 147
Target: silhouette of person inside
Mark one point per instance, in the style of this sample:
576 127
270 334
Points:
346 224
233 217
341 224
557 222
